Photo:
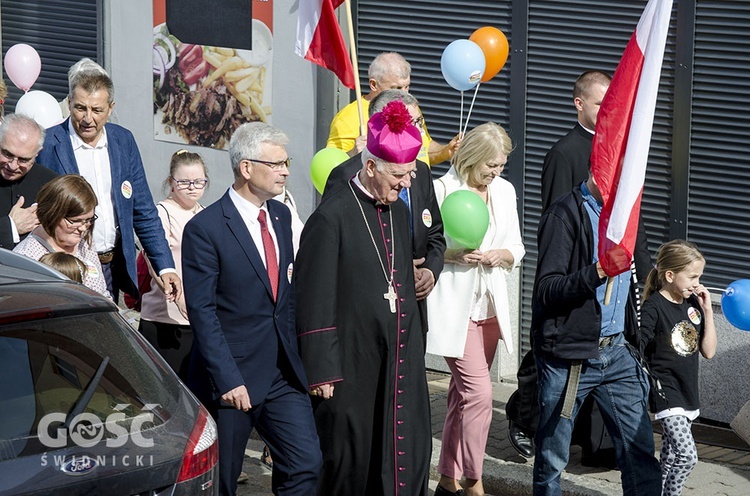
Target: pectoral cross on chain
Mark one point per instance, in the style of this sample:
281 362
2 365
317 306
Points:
391 297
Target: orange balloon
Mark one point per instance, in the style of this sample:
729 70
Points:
495 47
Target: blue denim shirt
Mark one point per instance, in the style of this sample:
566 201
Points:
613 315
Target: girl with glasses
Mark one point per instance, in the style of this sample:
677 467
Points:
164 324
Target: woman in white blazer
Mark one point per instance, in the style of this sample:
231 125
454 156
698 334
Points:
468 309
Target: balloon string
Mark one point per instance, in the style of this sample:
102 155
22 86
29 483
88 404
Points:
461 115
716 289
471 107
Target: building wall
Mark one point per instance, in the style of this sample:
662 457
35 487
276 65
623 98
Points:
128 53
725 380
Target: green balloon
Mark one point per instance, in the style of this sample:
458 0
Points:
465 218
323 163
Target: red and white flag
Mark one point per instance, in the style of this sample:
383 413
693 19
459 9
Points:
319 38
623 136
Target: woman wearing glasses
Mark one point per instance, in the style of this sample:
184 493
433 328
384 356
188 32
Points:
164 324
65 209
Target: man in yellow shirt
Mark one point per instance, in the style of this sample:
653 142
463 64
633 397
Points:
389 70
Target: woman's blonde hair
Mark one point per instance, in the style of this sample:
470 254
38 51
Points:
480 145
673 256
66 264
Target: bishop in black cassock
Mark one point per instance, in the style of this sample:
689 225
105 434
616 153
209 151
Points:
360 333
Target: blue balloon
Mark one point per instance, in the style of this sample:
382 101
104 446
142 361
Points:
462 64
735 303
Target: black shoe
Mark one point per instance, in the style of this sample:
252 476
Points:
520 441
441 491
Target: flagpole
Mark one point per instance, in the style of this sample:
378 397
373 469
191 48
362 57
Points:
608 290
355 67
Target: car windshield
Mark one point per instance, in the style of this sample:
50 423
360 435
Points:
78 379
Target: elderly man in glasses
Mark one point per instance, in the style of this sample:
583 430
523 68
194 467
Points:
21 179
238 262
426 223
359 327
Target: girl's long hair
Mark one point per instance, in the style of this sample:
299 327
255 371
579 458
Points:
673 256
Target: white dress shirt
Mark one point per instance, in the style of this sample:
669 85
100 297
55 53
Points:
249 214
93 165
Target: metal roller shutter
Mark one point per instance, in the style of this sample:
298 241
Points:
420 30
61 31
697 163
718 200
566 38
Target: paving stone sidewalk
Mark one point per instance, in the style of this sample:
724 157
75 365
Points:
720 471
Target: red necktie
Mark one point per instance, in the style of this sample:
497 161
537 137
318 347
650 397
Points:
272 266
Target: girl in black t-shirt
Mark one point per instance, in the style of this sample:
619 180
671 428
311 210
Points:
676 322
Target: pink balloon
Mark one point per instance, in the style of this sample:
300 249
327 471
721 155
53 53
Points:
22 63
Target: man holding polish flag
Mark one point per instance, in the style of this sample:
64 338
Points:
585 235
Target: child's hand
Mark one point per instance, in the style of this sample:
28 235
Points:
704 298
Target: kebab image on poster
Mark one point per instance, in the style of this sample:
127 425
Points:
211 67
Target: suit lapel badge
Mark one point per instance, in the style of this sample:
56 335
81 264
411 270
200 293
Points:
426 218
126 189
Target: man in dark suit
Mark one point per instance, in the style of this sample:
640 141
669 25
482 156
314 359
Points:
237 262
428 241
107 156
21 139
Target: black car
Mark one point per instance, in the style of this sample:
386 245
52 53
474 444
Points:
86 404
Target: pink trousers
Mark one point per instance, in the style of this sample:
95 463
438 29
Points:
467 422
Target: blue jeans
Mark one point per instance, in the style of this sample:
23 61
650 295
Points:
620 388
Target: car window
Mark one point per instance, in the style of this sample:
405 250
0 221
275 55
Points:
76 380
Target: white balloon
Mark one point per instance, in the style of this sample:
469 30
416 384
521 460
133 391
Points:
40 106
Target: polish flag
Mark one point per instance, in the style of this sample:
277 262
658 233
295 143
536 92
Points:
623 136
319 38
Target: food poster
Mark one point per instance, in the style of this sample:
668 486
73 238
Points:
203 92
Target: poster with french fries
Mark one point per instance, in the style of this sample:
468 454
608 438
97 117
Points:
203 93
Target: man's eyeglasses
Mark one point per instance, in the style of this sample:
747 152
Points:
275 166
418 121
186 183
78 223
21 160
